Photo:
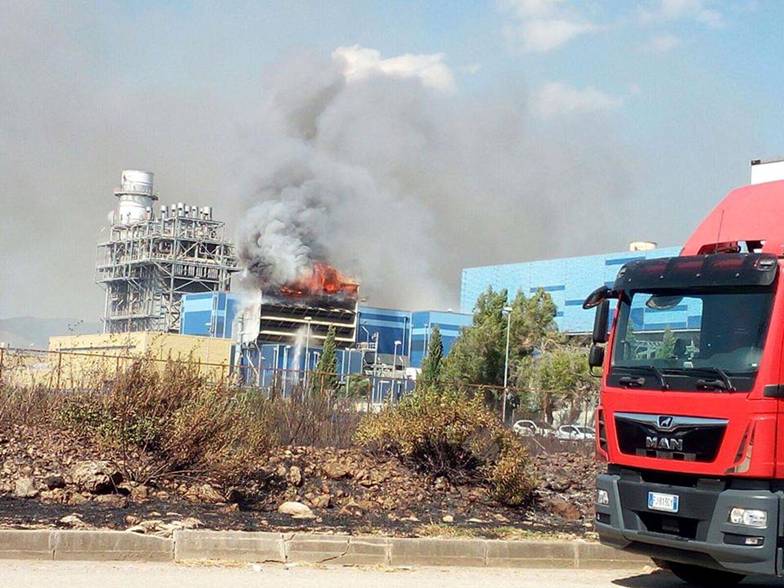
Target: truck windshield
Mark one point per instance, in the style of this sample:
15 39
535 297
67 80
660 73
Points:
690 340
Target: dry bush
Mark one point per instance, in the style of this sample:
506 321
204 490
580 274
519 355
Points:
320 419
447 434
24 405
170 419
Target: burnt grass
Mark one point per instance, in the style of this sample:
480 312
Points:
348 490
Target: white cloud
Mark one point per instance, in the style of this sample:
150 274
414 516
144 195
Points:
542 35
532 8
698 10
361 62
663 43
556 98
543 25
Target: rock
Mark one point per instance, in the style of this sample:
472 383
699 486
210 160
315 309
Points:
96 477
235 495
149 526
74 522
25 488
76 498
323 501
294 476
335 470
55 481
140 492
565 510
58 495
296 510
448 519
112 500
441 484
204 493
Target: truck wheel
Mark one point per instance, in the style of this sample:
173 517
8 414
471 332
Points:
699 576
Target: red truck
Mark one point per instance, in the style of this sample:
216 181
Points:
690 419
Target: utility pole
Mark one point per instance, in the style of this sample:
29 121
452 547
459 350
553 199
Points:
307 353
508 311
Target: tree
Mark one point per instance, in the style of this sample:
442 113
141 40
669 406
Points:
558 378
431 366
325 376
478 356
666 348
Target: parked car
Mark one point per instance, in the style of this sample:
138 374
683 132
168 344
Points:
575 433
526 428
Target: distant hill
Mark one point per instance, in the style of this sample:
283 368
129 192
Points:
28 331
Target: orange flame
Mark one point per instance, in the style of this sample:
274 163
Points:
323 280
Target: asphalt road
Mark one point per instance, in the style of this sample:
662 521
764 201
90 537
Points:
142 575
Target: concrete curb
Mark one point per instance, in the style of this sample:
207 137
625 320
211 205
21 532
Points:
188 545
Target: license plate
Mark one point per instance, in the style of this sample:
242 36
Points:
663 502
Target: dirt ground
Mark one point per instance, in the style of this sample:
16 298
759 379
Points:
345 490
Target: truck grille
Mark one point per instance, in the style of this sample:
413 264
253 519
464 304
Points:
669 437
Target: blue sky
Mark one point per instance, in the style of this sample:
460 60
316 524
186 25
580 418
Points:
682 93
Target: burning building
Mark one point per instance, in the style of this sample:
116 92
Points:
308 306
153 257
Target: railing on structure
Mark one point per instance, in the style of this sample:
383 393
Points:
370 392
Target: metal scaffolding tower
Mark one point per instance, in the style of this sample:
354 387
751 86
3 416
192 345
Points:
150 261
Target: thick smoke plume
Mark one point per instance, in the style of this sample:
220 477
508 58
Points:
381 168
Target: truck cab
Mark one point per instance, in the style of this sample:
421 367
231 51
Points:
688 416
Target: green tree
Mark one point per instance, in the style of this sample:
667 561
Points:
666 348
478 356
325 377
431 366
556 379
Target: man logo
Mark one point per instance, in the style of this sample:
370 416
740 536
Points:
666 443
665 422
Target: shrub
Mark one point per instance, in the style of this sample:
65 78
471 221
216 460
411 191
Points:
172 420
447 434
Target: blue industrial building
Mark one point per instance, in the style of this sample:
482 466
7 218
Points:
569 280
385 326
379 329
450 324
208 314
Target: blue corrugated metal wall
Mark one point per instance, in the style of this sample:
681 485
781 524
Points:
449 323
569 280
391 325
210 314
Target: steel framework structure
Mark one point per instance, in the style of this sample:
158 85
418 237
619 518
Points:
146 266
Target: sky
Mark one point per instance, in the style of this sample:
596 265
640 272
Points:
662 103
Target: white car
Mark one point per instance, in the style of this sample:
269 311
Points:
526 428
575 433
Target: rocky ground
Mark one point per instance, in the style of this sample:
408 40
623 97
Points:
62 482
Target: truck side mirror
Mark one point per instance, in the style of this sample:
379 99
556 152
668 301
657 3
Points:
595 357
597 296
600 322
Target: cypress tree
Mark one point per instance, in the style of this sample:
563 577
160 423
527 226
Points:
326 379
431 366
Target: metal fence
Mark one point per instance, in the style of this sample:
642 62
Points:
78 371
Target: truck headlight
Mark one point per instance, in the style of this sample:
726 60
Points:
602 497
749 517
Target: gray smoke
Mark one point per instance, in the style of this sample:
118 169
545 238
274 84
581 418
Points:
395 178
